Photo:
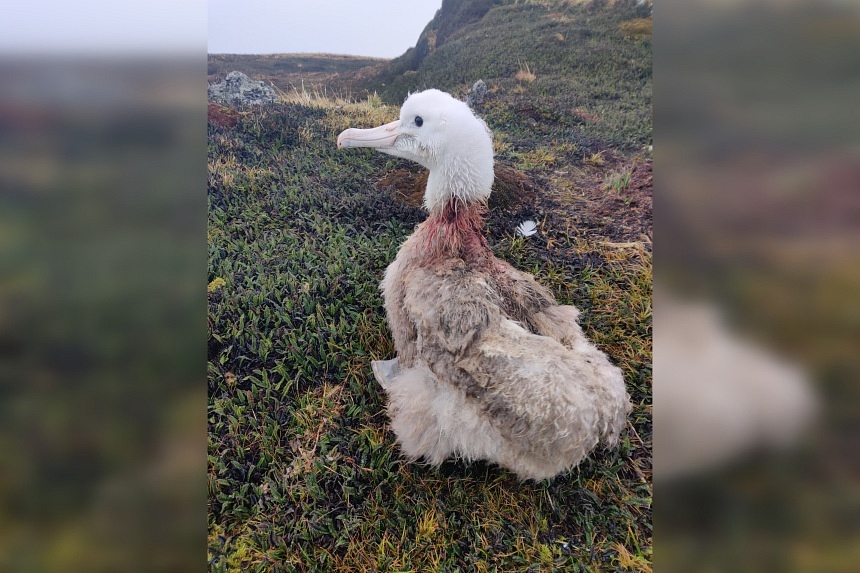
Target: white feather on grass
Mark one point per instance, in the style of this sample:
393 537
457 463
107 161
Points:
527 228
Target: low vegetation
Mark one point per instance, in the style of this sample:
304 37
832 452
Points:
525 73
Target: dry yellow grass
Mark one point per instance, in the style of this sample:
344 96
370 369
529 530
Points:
538 158
596 159
630 562
525 74
637 28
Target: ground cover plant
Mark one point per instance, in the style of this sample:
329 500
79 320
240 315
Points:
304 474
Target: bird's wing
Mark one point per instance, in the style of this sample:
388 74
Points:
533 305
542 392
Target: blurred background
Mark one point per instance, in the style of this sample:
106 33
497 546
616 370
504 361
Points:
102 275
757 272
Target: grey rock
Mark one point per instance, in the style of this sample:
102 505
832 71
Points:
477 94
237 88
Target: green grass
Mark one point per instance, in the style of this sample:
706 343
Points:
618 181
304 472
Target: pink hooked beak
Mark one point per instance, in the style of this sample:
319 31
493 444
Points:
380 137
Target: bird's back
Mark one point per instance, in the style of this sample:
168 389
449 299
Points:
549 401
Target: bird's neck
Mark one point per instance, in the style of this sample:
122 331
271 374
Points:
455 230
458 179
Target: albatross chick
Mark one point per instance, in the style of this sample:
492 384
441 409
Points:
488 365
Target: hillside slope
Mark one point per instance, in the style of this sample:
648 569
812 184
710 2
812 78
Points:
591 58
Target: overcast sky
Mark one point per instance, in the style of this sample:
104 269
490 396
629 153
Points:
381 28
104 27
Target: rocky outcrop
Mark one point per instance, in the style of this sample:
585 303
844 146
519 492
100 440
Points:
237 88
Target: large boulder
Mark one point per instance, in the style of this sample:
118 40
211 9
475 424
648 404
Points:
238 88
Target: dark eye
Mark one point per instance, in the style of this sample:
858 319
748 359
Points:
418 121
